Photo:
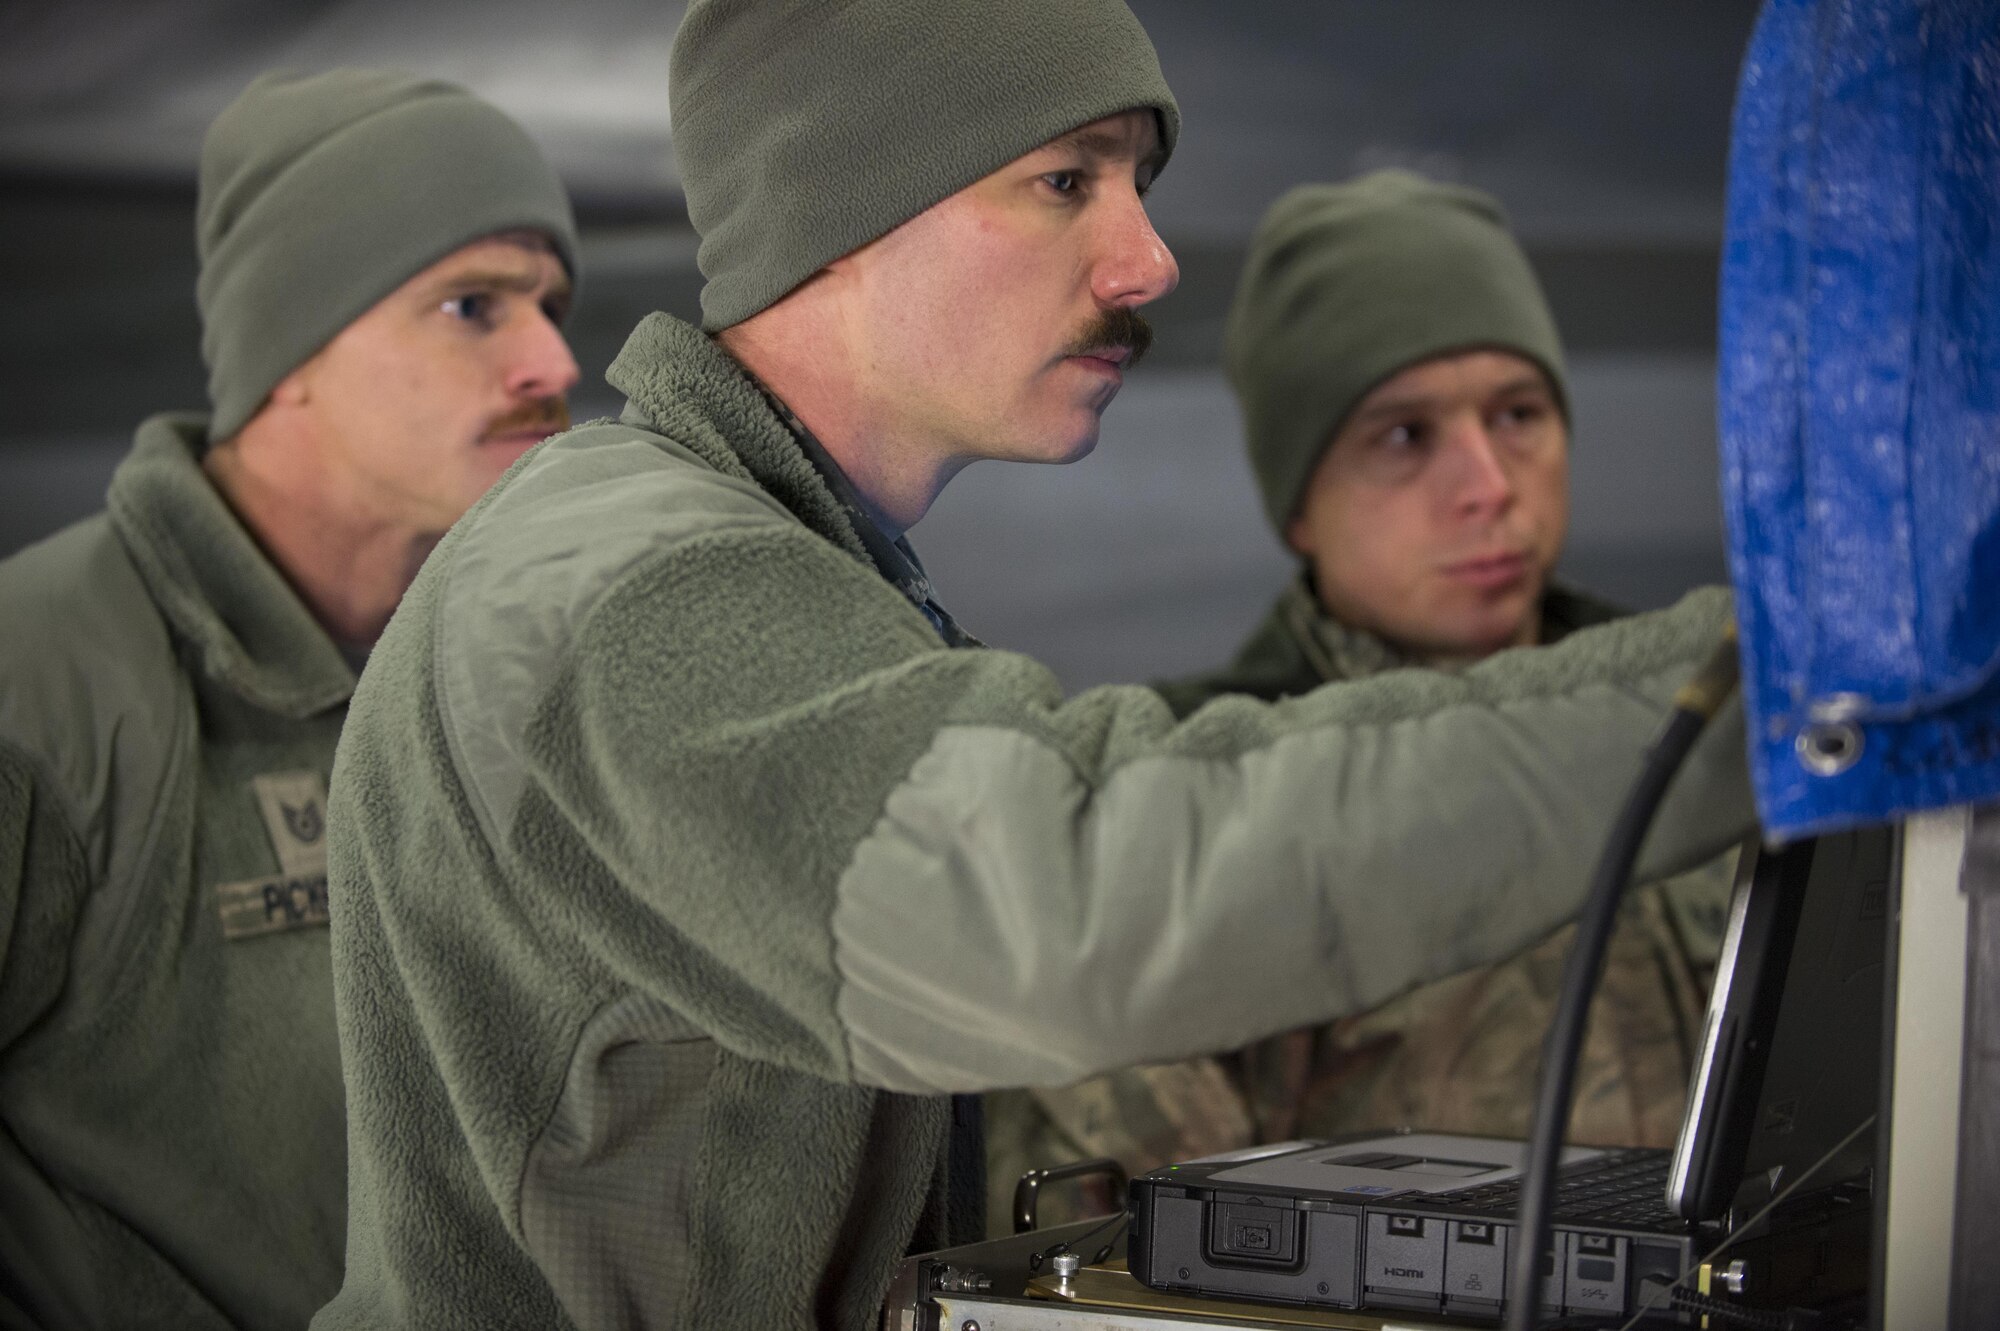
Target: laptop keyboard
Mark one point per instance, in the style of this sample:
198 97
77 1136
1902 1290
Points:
1619 1187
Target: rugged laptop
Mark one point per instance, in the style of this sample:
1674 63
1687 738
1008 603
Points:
1789 1067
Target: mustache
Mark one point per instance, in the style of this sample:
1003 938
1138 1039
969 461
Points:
550 415
1114 328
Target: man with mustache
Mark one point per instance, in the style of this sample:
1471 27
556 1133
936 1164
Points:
696 870
385 263
1407 413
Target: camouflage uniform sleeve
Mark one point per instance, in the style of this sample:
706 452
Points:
1697 911
1463 1054
1141 1117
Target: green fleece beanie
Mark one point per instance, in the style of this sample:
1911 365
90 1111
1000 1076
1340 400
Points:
806 128
1349 284
321 194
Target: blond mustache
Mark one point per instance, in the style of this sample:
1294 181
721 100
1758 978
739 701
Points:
550 415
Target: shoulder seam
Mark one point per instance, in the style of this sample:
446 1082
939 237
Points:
41 778
168 775
611 580
446 721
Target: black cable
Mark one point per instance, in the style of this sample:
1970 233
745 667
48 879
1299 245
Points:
1694 705
1104 1252
1062 1246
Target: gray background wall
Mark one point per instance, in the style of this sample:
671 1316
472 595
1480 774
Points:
1603 128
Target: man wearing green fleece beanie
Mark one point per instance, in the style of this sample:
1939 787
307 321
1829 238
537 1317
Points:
384 263
1406 410
1405 403
694 866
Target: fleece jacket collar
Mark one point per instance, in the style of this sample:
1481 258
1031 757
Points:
1334 650
686 387
247 627
742 429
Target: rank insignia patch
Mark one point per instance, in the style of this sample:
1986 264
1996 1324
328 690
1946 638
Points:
294 809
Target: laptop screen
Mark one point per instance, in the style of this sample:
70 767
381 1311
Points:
1791 1053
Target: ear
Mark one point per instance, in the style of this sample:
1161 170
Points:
1298 532
293 390
1298 536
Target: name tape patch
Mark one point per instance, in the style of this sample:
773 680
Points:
271 905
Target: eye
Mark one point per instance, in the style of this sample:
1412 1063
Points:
1065 183
1403 437
475 307
1522 423
1395 454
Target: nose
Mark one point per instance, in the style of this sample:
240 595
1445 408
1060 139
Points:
1478 479
1135 267
539 362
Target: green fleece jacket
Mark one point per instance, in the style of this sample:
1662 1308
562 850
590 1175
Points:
172 1152
681 870
1462 1054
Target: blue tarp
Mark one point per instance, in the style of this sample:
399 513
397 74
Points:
1860 399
